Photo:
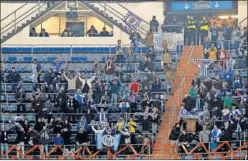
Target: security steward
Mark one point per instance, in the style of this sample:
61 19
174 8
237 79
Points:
191 31
204 25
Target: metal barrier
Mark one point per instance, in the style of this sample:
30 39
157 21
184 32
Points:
75 152
200 151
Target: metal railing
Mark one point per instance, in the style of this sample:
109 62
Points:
21 15
108 11
83 151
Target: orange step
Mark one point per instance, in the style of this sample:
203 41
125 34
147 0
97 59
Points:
161 149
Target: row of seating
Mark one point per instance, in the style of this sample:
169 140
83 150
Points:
51 59
61 50
64 50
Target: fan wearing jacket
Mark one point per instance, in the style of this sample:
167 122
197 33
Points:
174 135
44 139
86 83
20 140
4 141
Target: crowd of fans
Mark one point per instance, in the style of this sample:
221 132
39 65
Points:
218 103
197 30
63 96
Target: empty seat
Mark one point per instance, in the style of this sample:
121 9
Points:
24 50
5 50
92 50
37 50
76 50
28 59
12 59
84 50
51 59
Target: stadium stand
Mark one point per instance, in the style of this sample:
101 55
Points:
123 102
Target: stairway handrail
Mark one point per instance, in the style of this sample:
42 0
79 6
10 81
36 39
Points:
133 13
121 17
14 11
22 18
243 20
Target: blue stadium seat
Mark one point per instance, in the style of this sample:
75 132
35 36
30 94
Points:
84 50
37 50
92 50
76 50
112 50
75 59
27 59
13 50
103 59
67 50
12 59
51 59
5 50
45 50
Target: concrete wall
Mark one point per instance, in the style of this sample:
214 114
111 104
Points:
242 12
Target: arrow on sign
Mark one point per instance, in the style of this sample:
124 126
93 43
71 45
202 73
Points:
216 5
186 6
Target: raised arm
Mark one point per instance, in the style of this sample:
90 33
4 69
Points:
93 78
76 77
93 128
81 80
65 76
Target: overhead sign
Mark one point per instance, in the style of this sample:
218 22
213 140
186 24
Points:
200 5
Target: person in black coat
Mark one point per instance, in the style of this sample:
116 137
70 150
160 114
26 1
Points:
71 106
43 33
198 102
14 78
174 135
20 140
39 125
57 125
66 135
196 81
89 116
183 141
82 137
4 141
187 103
227 134
238 126
145 122
21 97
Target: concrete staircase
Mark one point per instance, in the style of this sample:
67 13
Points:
30 15
112 16
182 83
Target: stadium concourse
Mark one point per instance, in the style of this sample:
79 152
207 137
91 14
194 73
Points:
171 90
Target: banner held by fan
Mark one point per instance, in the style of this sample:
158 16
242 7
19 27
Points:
171 39
132 20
